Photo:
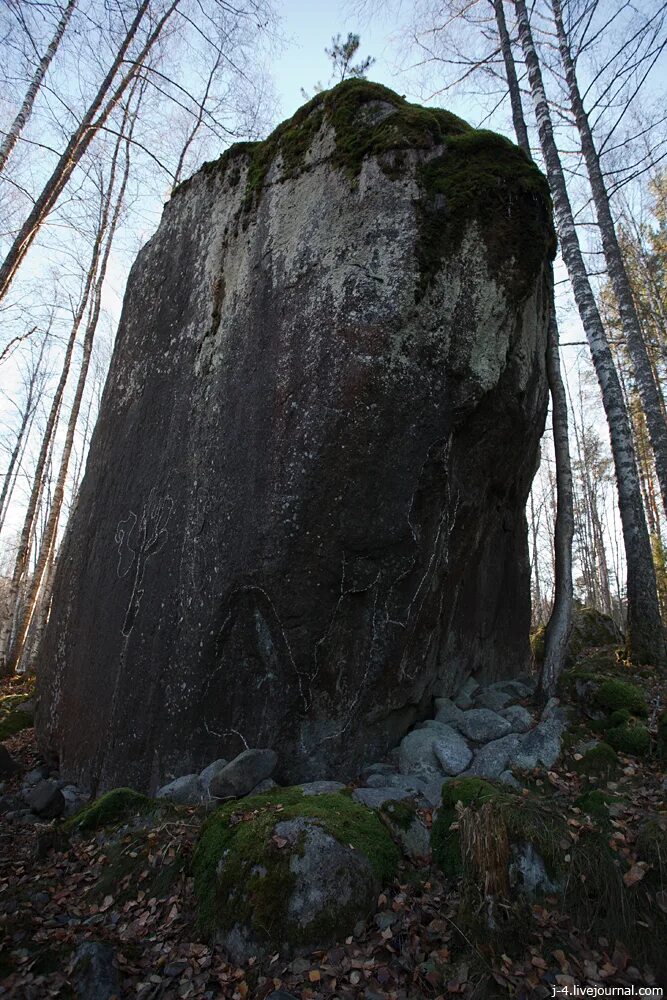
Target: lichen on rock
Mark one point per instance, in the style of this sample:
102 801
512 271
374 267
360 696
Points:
286 870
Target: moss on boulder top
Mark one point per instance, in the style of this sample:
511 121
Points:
287 870
467 175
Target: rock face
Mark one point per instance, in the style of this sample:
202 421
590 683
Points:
303 510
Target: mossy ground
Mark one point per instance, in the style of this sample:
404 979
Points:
242 875
13 719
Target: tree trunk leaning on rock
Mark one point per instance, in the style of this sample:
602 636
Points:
560 622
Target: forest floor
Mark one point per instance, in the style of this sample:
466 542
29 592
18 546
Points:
139 898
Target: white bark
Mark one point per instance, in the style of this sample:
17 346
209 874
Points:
25 110
645 636
643 372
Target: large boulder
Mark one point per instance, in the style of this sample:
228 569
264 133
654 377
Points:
284 871
302 516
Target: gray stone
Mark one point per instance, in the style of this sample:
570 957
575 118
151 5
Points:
8 765
378 768
243 773
330 880
375 798
446 710
507 778
491 760
482 725
409 782
74 798
528 873
46 800
187 790
241 536
95 972
433 792
322 787
452 752
495 697
518 717
211 771
523 687
542 745
264 786
465 696
416 754
414 838
35 776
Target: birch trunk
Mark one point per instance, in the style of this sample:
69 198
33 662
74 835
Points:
24 546
25 110
645 637
618 276
560 622
80 140
48 543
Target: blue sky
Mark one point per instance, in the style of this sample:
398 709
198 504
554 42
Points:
308 27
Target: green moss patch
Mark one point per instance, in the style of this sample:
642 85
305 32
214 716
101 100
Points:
480 176
113 808
600 761
614 695
13 722
243 876
483 177
631 738
595 803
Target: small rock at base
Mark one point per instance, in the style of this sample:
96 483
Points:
519 718
8 765
46 800
374 798
446 710
187 790
95 972
264 786
243 773
482 725
451 751
209 772
321 787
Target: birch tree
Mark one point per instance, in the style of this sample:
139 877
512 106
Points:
560 622
643 372
645 637
24 112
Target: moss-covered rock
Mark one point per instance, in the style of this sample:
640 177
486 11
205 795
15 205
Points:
111 809
284 870
599 761
468 182
615 695
591 629
407 829
629 737
13 722
595 803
